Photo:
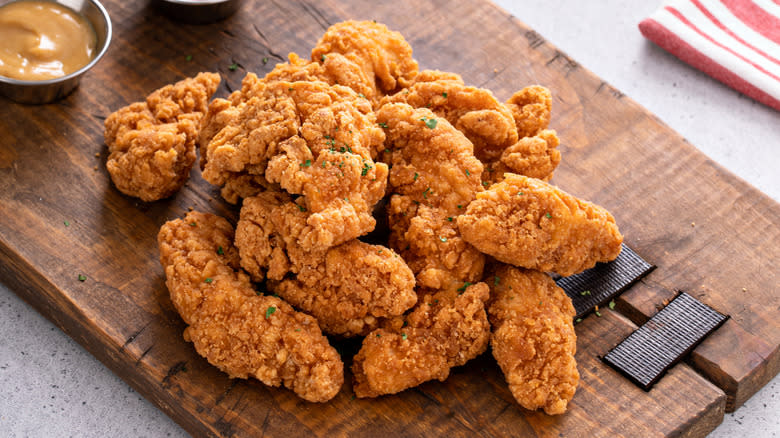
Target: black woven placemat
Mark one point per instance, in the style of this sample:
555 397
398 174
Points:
652 349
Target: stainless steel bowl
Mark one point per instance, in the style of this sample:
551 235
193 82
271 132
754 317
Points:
198 11
49 90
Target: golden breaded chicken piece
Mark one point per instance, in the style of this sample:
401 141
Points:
151 144
526 222
447 328
434 177
531 108
348 287
533 338
309 138
485 121
535 157
383 58
240 332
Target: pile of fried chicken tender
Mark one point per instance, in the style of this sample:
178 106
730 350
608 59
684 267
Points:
308 152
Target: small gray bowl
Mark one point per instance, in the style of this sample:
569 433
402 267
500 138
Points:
198 11
49 90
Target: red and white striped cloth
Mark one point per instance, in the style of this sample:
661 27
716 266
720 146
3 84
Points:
735 41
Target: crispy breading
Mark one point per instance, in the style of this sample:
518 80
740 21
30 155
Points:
151 144
531 108
242 333
311 139
383 57
348 287
526 222
445 329
434 177
536 157
485 121
533 338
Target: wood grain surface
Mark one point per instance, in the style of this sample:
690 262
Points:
708 232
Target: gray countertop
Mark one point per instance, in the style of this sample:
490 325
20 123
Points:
50 386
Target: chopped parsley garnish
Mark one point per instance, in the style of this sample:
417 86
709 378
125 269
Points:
548 215
188 58
220 251
612 305
463 288
459 206
416 175
306 163
365 170
403 336
67 224
578 320
269 311
301 207
208 280
324 163
450 219
82 277
443 239
430 123
193 224
468 173
585 292
597 313
485 183
425 193
382 125
233 67
520 193
322 58
444 94
378 335
496 280
265 60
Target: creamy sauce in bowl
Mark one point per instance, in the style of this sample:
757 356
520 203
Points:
41 40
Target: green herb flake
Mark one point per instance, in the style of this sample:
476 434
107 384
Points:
460 206
233 67
425 193
598 313
416 175
578 320
431 123
403 336
301 207
297 330
450 219
193 224
322 58
362 95
496 280
306 163
468 173
265 60
548 215
382 125
463 288
188 58
220 251
257 292
443 239
365 169
612 305
520 193
67 223
82 277
290 89
324 163
378 335
208 280
444 95
485 183
585 292
269 311
352 398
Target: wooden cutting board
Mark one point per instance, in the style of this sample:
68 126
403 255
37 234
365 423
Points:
708 232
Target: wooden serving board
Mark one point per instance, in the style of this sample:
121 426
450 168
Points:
708 232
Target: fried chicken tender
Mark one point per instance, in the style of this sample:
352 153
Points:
531 108
309 138
348 288
151 144
535 157
366 56
447 328
242 333
526 222
434 177
533 338
475 112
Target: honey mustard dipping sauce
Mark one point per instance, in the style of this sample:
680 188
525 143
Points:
42 40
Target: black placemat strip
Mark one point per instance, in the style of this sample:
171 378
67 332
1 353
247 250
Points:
604 281
647 353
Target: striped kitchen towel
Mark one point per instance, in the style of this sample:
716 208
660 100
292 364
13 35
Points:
735 41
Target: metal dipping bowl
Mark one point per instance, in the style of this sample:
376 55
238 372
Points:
49 90
198 11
